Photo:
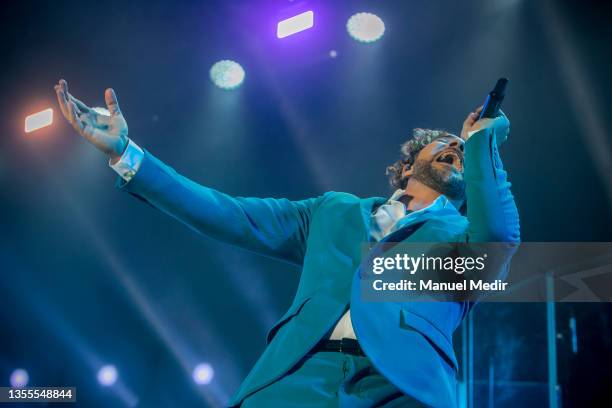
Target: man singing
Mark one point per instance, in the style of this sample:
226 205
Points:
331 349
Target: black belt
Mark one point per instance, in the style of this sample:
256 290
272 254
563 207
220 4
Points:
346 345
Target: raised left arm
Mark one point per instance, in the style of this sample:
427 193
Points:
491 210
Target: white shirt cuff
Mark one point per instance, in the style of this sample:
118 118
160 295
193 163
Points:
129 162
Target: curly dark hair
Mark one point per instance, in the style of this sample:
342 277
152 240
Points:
409 152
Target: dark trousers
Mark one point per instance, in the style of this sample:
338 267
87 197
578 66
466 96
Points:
331 379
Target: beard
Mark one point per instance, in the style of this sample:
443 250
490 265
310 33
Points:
448 182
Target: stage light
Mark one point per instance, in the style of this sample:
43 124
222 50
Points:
107 375
333 53
19 378
203 374
295 24
38 120
227 74
365 27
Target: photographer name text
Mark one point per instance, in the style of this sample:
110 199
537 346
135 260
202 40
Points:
430 285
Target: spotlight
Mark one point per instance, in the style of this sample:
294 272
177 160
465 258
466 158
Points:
19 378
107 375
227 74
38 120
365 27
295 24
333 53
203 374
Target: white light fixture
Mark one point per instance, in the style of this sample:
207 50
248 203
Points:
365 27
38 120
107 375
227 74
19 378
295 24
203 374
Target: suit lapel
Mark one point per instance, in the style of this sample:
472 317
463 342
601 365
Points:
409 228
368 206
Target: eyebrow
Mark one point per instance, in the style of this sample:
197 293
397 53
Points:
447 138
444 137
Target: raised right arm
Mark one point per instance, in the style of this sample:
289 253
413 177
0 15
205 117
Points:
269 226
272 227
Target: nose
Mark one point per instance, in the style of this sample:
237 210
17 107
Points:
456 144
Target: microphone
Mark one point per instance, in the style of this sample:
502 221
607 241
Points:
494 100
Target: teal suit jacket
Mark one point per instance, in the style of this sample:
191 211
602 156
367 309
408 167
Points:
411 344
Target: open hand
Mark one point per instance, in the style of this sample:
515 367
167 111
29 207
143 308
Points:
107 133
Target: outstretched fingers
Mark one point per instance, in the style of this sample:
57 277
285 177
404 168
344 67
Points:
80 121
73 116
111 102
82 107
62 99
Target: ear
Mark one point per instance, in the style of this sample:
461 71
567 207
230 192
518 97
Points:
407 170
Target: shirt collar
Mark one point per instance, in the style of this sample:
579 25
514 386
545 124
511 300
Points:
440 202
397 194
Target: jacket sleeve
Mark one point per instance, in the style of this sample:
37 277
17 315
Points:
491 210
273 227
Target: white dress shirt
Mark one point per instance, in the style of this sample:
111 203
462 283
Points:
385 220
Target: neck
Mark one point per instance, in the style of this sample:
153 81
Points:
418 196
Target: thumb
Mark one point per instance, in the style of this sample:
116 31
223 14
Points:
111 102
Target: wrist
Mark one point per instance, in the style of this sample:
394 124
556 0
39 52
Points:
115 155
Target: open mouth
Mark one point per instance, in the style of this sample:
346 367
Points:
452 158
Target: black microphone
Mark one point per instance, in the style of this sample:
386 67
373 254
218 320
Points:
492 104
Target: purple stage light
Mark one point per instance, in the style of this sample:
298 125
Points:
295 24
203 374
19 378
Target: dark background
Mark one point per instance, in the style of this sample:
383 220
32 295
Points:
90 276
